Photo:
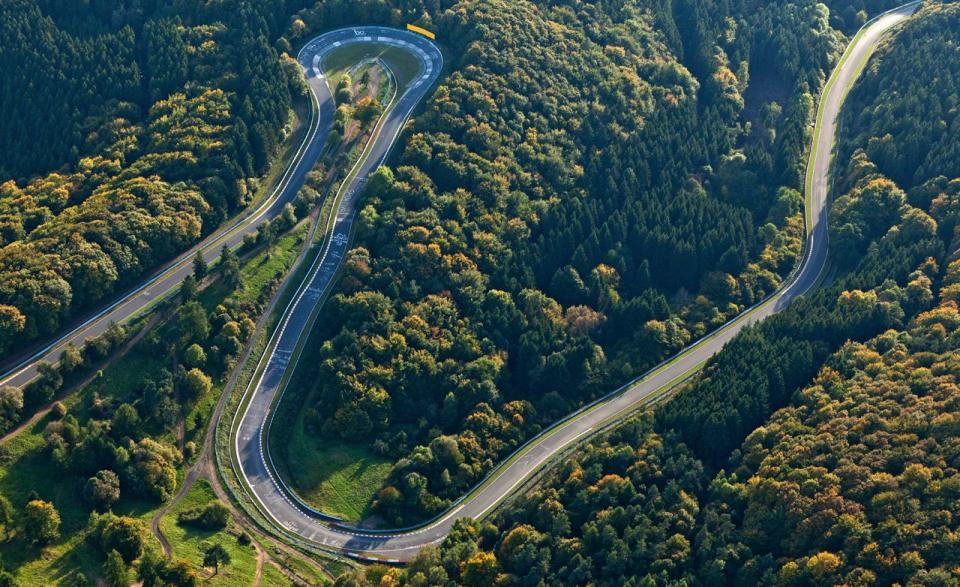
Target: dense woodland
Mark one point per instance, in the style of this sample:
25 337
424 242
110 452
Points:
850 483
592 186
832 453
590 189
905 111
130 130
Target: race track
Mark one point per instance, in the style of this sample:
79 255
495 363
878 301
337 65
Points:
281 506
250 427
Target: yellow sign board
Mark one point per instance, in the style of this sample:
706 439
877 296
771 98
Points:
415 29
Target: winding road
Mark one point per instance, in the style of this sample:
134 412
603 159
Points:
251 456
294 517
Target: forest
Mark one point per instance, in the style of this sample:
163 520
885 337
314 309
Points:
130 131
833 453
589 190
905 112
592 186
837 463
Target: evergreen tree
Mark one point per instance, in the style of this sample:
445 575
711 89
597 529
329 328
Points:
115 571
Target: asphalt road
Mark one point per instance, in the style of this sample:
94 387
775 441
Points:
290 514
274 498
168 278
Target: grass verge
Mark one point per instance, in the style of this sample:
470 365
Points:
340 479
404 65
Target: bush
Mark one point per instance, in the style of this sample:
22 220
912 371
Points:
213 516
197 382
189 449
11 406
59 410
71 359
152 469
41 522
194 356
44 387
102 490
124 535
115 572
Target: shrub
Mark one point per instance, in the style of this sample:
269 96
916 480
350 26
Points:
124 535
41 522
213 516
59 410
194 356
197 382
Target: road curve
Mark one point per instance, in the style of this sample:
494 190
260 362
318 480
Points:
290 514
165 280
251 455
296 518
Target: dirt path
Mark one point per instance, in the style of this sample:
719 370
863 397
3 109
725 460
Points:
181 427
203 466
261 559
193 474
114 357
